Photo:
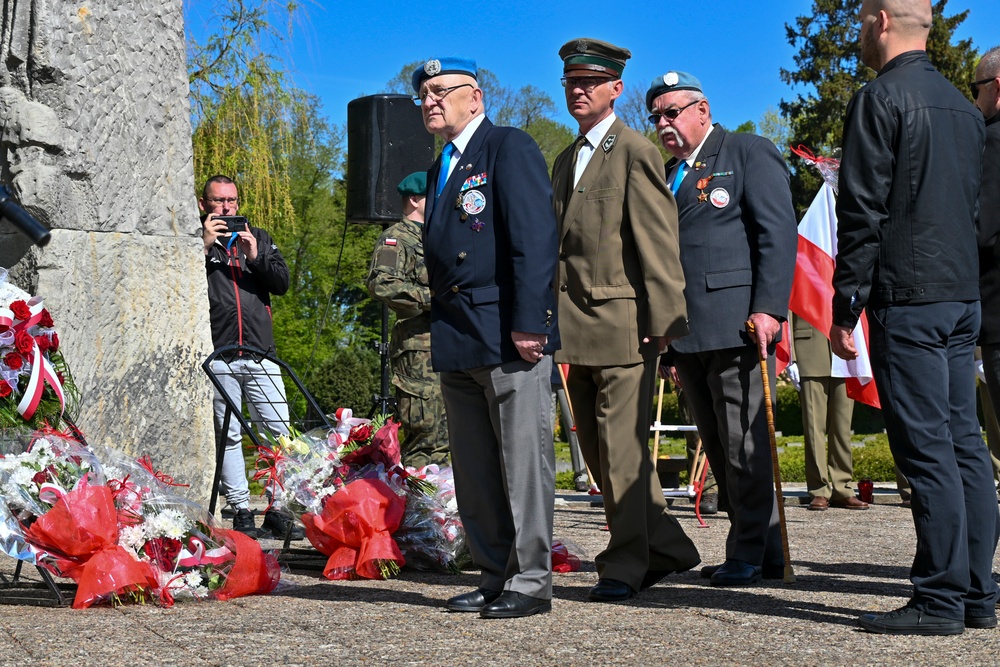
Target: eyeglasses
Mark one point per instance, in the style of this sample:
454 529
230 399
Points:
670 114
437 94
974 86
219 201
587 83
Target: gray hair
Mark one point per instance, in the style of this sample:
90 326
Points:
989 64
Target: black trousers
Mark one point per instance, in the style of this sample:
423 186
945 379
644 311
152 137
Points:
922 357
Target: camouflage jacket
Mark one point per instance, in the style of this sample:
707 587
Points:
398 278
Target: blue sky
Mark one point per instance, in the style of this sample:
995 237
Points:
343 50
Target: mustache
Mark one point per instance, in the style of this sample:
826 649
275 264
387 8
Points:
678 139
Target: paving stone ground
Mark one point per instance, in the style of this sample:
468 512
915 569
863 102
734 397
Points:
846 563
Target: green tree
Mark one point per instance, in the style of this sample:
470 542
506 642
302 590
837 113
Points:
829 68
250 122
528 108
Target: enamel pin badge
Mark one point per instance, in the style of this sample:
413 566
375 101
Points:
473 202
719 198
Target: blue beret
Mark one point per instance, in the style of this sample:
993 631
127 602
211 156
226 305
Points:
670 82
439 66
414 184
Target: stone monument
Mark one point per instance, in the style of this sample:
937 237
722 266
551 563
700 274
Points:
96 143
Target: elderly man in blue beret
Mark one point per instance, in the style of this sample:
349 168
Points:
738 243
490 247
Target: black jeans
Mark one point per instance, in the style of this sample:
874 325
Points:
922 357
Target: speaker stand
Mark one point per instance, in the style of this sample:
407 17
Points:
383 403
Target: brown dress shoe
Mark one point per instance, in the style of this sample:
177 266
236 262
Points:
851 503
819 503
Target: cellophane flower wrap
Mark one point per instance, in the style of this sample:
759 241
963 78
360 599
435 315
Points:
117 528
35 384
347 486
431 536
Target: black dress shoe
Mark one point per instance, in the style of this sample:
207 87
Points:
981 622
769 571
610 590
910 621
709 504
736 573
472 601
511 604
653 577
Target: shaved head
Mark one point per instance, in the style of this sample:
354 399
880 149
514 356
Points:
892 27
912 17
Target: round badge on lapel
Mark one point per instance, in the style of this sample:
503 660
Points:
473 202
719 198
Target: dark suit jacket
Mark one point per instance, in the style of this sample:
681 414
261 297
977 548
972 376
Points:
738 246
492 272
989 235
619 275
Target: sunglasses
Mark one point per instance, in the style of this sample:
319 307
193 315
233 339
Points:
670 114
974 86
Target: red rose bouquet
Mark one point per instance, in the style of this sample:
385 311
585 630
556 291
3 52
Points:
35 384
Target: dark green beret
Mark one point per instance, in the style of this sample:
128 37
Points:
594 55
414 184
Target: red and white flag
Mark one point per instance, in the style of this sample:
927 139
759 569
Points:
812 292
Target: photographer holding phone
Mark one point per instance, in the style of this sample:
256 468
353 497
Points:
244 269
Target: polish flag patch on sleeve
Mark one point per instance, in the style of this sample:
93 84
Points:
390 241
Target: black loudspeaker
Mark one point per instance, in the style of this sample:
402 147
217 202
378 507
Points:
386 141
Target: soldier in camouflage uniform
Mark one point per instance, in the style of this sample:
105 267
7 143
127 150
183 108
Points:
398 278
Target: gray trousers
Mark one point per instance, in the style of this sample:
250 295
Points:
500 433
259 384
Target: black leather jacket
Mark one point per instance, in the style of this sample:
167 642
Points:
909 183
239 292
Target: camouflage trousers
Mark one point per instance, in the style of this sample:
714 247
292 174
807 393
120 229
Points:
420 406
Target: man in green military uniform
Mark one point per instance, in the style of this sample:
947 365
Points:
398 278
826 418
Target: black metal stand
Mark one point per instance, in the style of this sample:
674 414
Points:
304 413
383 403
44 592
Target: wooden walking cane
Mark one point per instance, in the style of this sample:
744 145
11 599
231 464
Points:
659 413
572 418
789 577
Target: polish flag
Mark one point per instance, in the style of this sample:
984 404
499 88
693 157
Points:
812 292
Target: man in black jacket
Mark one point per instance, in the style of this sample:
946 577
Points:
986 94
909 183
244 269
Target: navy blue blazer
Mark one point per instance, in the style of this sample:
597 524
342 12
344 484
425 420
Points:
738 239
490 246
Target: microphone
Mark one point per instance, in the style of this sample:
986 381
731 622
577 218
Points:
23 220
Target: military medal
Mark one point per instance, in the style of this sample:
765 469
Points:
701 185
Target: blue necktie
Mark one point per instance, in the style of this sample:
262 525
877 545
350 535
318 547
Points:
445 163
681 170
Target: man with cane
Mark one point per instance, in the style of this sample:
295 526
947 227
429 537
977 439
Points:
738 240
